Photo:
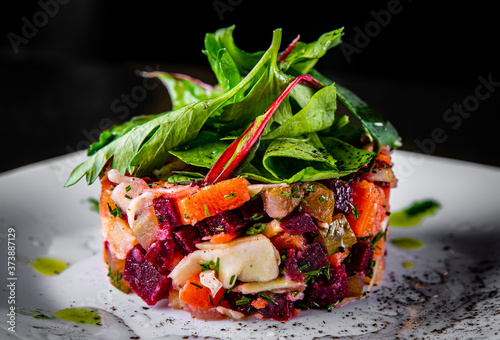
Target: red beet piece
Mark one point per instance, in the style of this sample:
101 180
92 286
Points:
253 211
225 221
160 254
291 267
325 291
314 257
277 307
166 213
298 222
342 193
187 237
144 278
232 297
362 253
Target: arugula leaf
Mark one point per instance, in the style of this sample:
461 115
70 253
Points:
145 147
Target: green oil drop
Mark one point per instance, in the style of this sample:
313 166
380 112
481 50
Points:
78 315
407 264
414 214
407 243
48 266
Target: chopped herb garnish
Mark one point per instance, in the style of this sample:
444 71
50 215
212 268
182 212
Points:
211 299
207 265
216 267
196 285
160 218
186 217
231 280
267 298
243 301
128 188
291 195
256 217
354 210
115 278
116 212
323 199
231 195
304 266
206 210
309 189
127 196
255 229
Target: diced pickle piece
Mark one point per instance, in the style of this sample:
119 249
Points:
337 236
280 201
318 201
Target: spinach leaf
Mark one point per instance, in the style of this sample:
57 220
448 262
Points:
203 151
287 157
318 114
349 158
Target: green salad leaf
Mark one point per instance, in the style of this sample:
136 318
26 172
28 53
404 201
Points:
305 139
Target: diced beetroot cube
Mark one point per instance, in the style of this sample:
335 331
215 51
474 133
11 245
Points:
292 272
362 253
298 222
280 309
232 297
342 193
160 253
326 291
144 278
225 221
314 257
166 213
253 211
187 237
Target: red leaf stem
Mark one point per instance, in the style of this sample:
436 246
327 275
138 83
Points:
282 56
230 158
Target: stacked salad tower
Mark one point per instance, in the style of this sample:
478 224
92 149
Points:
262 195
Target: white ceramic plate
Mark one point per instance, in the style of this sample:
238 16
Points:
451 292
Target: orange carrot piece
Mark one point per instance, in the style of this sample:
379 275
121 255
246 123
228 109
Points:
196 295
259 303
212 199
337 258
370 201
384 158
223 237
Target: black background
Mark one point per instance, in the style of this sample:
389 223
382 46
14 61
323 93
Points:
59 82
